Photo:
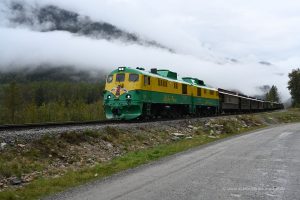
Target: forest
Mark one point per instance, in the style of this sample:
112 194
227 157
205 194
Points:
50 95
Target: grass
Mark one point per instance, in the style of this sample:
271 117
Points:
289 116
45 186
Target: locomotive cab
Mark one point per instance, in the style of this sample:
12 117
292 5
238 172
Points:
121 94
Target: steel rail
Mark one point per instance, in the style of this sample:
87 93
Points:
28 126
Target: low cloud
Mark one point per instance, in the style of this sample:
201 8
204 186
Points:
223 43
28 48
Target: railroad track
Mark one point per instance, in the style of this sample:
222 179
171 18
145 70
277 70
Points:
53 124
11 127
8 127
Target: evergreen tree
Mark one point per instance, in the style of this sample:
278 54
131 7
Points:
273 95
12 101
294 86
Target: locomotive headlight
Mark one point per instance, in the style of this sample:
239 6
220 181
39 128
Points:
128 96
108 96
121 68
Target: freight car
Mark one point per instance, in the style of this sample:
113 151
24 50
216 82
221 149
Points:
135 93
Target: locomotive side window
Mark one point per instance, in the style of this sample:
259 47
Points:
184 89
162 83
110 78
133 77
176 85
120 77
165 83
211 92
199 92
146 80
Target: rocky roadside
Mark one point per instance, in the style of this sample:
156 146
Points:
29 135
24 159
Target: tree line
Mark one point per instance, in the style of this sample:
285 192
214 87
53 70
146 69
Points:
50 101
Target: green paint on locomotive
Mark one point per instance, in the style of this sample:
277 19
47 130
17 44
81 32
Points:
125 108
125 99
122 107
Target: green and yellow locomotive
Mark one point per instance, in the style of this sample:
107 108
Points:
134 93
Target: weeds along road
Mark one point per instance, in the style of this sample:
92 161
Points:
261 165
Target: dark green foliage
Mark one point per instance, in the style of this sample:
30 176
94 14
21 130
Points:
294 86
11 101
273 95
50 94
50 101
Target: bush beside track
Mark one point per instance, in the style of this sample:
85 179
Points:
53 163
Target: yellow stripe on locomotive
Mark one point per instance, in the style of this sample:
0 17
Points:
131 93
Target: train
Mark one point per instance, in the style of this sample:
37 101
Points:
134 93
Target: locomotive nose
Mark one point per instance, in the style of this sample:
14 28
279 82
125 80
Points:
116 111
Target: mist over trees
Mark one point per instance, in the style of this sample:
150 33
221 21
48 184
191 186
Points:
47 72
294 87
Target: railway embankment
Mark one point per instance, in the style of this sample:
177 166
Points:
33 165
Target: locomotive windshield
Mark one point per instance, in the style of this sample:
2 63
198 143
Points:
133 77
120 77
110 78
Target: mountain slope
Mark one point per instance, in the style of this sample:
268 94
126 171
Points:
52 18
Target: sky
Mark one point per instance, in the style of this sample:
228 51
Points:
204 34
